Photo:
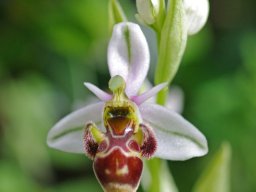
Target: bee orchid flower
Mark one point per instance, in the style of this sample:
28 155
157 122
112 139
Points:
122 129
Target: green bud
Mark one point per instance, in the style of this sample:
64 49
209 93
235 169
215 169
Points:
116 13
172 43
148 10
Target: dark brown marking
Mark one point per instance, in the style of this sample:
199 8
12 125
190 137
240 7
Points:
90 146
149 144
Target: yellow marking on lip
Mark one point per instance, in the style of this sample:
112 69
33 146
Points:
123 171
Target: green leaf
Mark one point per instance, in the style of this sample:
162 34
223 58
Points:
216 176
172 43
116 14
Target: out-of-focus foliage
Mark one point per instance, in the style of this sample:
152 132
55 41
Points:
49 48
13 179
216 176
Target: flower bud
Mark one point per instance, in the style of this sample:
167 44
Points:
116 13
148 10
196 14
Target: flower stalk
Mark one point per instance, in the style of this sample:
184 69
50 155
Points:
183 18
172 45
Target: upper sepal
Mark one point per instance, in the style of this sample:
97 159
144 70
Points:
177 138
128 56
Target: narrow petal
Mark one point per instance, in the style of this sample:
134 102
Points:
148 94
177 138
102 95
196 14
67 134
128 55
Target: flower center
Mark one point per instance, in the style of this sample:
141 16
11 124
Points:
120 113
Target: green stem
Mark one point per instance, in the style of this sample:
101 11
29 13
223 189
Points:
170 44
154 166
162 97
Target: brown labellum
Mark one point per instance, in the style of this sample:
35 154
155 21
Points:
117 153
118 172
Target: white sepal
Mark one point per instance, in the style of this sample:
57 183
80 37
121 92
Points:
67 134
177 138
128 55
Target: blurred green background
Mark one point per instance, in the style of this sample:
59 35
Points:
49 48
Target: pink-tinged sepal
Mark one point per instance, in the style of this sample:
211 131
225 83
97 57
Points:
128 56
118 171
102 95
149 144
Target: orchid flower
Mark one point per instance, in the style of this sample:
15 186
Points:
121 129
